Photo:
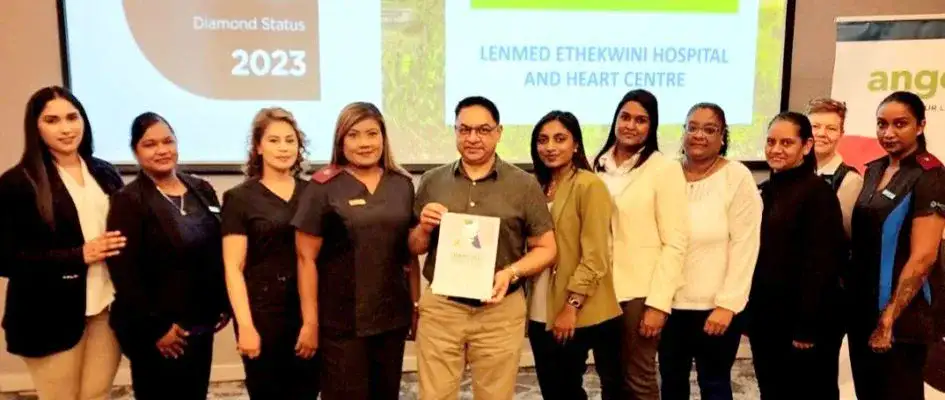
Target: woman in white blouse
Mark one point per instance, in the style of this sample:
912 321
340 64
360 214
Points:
650 233
725 224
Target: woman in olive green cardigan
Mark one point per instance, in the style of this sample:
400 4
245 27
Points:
572 306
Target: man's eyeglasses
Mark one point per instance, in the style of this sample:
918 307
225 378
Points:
480 131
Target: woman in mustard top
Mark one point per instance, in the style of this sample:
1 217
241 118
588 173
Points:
572 306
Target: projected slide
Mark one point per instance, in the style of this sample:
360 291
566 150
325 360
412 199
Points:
534 56
209 65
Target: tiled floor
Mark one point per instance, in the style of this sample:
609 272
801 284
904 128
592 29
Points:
743 382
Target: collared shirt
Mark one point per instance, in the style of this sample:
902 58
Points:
362 287
91 204
848 191
252 210
506 192
616 177
882 220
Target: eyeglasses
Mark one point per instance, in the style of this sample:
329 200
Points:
709 130
481 130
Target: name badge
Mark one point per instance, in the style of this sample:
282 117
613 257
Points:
214 209
356 202
888 194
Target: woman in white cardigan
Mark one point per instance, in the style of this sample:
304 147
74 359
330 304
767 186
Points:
650 234
725 230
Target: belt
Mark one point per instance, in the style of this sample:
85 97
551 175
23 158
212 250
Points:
479 303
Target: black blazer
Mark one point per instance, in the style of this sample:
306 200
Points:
156 284
45 309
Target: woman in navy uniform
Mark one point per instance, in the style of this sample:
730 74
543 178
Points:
897 227
170 295
352 227
259 256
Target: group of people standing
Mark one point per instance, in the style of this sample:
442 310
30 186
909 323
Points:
636 257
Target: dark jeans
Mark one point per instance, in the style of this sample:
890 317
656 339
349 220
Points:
785 372
638 355
561 368
362 368
278 373
187 377
684 340
896 374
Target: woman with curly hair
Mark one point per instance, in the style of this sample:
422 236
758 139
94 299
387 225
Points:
259 256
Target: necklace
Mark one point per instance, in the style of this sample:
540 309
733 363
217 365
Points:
169 200
552 186
704 173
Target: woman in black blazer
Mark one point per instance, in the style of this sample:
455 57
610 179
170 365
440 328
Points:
170 292
52 247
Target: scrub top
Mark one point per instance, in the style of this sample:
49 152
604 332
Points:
252 210
362 281
199 232
882 232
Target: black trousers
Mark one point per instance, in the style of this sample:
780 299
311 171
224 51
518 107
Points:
684 340
362 368
278 373
187 377
785 372
561 368
894 375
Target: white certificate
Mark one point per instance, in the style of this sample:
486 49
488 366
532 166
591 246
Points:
465 256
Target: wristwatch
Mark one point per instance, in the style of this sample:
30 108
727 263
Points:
575 302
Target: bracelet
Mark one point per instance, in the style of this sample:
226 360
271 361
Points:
515 275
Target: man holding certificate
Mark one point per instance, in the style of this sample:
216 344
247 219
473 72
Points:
485 226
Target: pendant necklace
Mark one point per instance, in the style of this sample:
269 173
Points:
169 200
706 172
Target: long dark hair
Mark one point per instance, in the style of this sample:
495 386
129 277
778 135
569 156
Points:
804 130
720 115
648 101
915 105
36 156
570 122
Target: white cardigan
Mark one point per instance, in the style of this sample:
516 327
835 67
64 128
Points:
650 228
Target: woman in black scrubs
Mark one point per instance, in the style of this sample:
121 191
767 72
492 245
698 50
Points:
170 296
897 227
259 255
796 280
352 228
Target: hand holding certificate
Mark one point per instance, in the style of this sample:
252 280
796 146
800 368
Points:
465 256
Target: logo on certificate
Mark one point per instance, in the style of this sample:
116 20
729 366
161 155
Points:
469 235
